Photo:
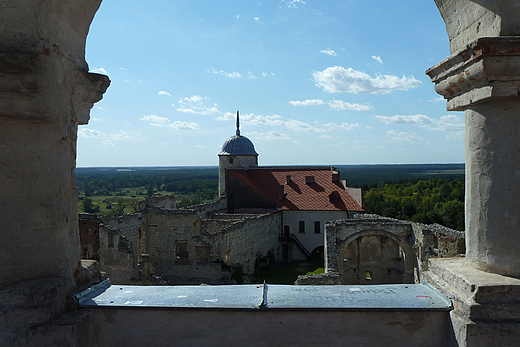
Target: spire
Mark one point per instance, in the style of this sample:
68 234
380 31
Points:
238 126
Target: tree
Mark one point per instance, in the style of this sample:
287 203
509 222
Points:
149 190
89 206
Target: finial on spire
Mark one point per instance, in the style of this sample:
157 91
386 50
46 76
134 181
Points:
238 126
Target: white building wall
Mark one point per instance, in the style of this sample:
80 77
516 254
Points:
309 238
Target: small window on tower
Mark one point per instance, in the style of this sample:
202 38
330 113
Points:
301 226
317 228
231 160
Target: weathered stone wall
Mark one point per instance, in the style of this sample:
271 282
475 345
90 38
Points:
117 258
89 236
242 242
169 235
418 242
129 226
205 210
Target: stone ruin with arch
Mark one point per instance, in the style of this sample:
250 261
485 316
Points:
46 91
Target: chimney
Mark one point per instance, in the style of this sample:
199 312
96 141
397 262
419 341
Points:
335 176
309 179
288 181
281 193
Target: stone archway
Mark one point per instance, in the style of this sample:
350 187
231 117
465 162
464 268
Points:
376 257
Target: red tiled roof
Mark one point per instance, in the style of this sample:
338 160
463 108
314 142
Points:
298 194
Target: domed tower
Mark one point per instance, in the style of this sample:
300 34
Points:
237 152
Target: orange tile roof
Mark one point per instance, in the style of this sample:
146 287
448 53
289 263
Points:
298 194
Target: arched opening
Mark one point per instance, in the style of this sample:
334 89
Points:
375 257
318 253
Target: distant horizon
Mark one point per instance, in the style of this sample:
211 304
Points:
216 166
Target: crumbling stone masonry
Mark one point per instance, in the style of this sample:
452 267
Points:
370 249
185 246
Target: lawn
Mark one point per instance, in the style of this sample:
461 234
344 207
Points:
287 274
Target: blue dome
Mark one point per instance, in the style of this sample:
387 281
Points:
238 145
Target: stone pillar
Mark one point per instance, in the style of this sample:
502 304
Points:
482 78
45 92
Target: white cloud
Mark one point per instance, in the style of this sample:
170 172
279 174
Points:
329 51
226 116
337 79
200 146
184 125
323 136
162 92
94 119
453 124
202 110
307 102
90 133
196 99
294 3
378 59
417 119
343 126
108 143
340 105
120 136
268 136
233 74
267 74
155 120
251 119
162 122
402 136
99 70
257 20
299 126
195 105
250 75
439 99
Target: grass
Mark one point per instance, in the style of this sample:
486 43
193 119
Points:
287 274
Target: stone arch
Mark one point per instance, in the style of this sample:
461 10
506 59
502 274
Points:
376 257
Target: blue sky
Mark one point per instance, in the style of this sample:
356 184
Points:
316 82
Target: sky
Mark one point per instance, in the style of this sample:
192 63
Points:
328 82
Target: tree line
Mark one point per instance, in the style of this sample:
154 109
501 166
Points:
426 201
432 200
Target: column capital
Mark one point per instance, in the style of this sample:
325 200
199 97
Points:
487 69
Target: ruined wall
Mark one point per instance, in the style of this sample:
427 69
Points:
437 241
205 210
89 236
129 226
169 236
117 258
243 241
416 243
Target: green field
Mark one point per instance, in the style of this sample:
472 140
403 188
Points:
129 199
287 274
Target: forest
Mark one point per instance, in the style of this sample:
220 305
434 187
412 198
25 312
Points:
427 193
